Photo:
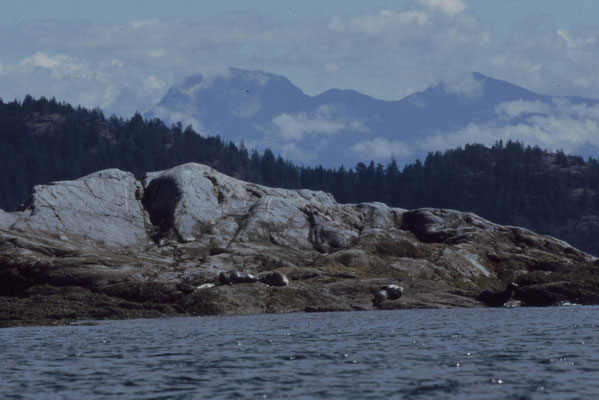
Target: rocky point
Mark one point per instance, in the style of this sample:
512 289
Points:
112 245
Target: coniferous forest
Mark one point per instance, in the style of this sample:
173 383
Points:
549 192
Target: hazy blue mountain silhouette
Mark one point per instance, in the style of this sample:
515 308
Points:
267 110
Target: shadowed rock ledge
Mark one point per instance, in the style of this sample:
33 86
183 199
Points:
110 245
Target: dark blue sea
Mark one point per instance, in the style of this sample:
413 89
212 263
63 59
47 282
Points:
509 353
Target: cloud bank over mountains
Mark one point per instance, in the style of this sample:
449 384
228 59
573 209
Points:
344 126
385 53
554 124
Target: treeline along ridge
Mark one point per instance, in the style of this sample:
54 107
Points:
553 193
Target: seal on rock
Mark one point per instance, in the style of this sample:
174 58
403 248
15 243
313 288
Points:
205 286
379 297
391 292
231 277
497 299
394 291
274 278
185 287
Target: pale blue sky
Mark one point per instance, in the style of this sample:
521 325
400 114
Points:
109 11
499 12
122 55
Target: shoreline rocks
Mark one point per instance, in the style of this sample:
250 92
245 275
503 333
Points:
110 245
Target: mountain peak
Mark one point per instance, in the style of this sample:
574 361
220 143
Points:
235 77
233 85
344 126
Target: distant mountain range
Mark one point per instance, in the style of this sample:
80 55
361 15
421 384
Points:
344 126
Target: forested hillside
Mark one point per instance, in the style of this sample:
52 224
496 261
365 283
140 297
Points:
44 140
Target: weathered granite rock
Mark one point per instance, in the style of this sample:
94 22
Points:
110 245
6 219
101 207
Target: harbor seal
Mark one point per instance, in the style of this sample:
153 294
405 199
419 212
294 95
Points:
185 288
379 297
231 277
205 286
387 292
497 299
274 279
393 291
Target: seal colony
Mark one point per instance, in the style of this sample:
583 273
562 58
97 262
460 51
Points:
192 241
269 278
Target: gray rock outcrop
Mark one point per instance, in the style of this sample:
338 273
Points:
6 219
101 207
110 245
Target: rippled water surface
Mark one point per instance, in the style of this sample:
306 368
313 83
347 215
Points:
517 353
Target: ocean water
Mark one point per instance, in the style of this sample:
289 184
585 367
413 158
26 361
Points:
509 353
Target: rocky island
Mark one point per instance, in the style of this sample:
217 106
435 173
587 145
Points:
113 245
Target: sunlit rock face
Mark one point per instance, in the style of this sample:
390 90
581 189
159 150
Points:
101 207
114 245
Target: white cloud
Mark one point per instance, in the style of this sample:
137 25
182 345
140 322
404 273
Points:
379 24
208 75
152 83
565 35
295 127
322 123
358 126
450 7
204 76
259 77
186 118
547 58
516 108
581 110
380 149
556 125
247 108
533 71
302 137
116 63
44 61
61 65
572 41
547 132
107 82
465 85
291 151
